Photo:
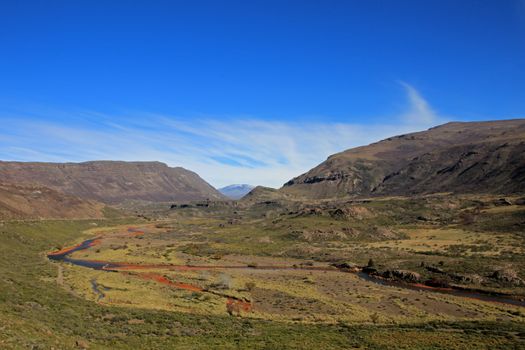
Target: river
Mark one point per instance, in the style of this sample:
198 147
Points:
64 255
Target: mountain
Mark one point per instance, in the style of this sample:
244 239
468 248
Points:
262 194
38 202
456 157
236 191
112 182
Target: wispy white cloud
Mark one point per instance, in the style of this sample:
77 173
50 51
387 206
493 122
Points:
236 150
420 111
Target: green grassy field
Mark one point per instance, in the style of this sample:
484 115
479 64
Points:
46 304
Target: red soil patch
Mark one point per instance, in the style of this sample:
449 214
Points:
163 280
235 306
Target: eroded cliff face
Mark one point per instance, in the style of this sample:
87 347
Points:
457 157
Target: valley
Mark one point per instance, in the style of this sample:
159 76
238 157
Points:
404 268
262 175
294 307
242 265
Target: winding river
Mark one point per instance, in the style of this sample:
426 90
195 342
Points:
238 303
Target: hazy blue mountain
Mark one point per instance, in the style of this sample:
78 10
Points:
236 191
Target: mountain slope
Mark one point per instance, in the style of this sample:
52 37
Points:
457 157
236 191
37 202
112 181
262 193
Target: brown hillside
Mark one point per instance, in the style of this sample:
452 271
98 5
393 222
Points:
457 157
112 181
37 202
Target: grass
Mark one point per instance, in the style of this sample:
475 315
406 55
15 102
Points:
317 309
326 297
441 240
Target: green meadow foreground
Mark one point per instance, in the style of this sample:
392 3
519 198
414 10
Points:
274 274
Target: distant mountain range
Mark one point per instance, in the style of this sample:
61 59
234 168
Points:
236 191
472 157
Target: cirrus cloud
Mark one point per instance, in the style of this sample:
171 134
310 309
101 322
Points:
221 150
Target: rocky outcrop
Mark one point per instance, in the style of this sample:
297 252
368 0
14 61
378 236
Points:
351 212
508 276
404 275
435 269
466 278
501 202
346 266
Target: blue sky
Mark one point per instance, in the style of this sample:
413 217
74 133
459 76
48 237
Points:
248 91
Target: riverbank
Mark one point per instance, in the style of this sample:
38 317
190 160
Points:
37 312
63 255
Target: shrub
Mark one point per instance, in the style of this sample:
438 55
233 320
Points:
249 286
